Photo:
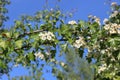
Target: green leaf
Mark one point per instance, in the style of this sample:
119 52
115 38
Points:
19 43
16 34
31 56
3 44
119 56
2 65
7 34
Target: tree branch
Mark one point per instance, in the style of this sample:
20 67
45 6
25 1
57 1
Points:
27 33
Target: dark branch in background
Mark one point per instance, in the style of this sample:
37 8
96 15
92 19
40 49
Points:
28 33
62 39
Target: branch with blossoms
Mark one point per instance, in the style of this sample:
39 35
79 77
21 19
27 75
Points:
101 41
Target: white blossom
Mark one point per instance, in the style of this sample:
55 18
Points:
113 14
43 37
90 16
113 59
105 21
112 31
88 37
72 22
113 28
79 42
103 51
41 34
62 64
113 4
48 53
52 60
102 68
51 34
76 45
49 37
39 55
97 20
107 27
46 35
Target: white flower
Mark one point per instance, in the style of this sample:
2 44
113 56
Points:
88 37
43 37
107 27
113 4
39 55
77 41
76 45
113 28
45 33
103 51
48 53
72 22
41 34
105 21
112 31
114 14
114 25
90 16
62 64
51 34
102 68
49 37
113 59
97 20
52 60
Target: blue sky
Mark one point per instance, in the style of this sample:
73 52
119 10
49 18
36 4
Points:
83 9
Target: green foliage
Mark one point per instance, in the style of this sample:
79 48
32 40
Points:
36 38
3 10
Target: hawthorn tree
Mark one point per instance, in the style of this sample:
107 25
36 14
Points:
46 35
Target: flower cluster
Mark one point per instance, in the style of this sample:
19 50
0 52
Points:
105 21
47 35
72 22
113 4
78 43
112 28
102 68
114 14
95 19
39 55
